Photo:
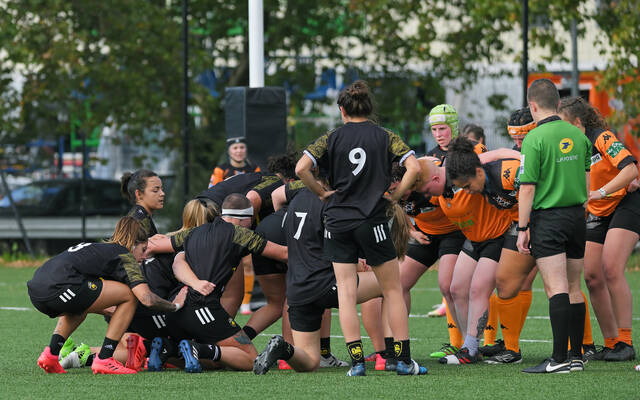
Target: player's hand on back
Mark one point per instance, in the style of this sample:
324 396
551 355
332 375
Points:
204 287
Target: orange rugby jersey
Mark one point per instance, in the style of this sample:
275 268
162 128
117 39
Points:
501 188
608 157
475 216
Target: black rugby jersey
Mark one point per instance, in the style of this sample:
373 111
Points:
140 214
292 188
214 250
500 188
309 274
263 184
158 272
417 203
438 153
358 157
83 261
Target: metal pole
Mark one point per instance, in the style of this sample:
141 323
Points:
23 231
525 51
83 188
185 98
575 77
256 44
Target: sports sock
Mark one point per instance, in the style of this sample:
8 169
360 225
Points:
509 312
576 328
107 349
455 336
289 350
624 335
248 288
90 360
147 345
525 303
209 351
325 346
251 333
559 316
491 330
389 351
57 341
588 334
403 350
610 342
471 343
355 352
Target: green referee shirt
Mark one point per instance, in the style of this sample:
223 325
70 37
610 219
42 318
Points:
555 156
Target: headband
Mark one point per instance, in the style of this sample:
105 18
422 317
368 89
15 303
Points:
518 132
235 140
437 119
240 214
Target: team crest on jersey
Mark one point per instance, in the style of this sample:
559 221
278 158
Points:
92 286
566 145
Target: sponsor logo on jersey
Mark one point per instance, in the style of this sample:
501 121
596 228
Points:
566 145
614 149
567 158
596 159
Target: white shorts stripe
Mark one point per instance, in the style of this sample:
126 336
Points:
62 298
209 313
199 317
71 293
162 320
384 235
155 320
375 232
204 315
66 296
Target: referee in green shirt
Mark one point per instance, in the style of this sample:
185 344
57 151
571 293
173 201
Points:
554 176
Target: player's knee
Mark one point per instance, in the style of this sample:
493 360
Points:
506 289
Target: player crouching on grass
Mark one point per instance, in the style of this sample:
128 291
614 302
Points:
311 288
211 254
67 286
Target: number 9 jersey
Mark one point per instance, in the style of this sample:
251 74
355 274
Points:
358 157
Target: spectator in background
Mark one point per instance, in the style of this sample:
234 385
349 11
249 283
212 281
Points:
237 164
474 132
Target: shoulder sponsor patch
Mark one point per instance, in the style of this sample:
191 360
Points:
614 149
596 159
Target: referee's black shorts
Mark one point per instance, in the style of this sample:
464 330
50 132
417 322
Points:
558 230
73 299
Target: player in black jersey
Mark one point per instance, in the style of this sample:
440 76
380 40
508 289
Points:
258 188
88 278
311 287
143 189
358 157
211 254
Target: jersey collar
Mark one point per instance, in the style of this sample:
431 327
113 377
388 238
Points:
548 119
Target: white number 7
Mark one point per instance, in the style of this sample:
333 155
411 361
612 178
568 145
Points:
359 157
302 217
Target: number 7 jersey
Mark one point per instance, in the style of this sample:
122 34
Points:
357 157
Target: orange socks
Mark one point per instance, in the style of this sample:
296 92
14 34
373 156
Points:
455 337
248 288
510 312
525 302
624 335
588 337
491 330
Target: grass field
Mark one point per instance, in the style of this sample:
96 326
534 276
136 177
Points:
24 332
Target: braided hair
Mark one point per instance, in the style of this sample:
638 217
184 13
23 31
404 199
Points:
462 160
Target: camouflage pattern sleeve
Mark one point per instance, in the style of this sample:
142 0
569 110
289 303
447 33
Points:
249 240
177 240
318 148
132 269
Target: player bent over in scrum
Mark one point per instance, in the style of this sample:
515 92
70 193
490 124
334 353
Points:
66 287
211 254
311 287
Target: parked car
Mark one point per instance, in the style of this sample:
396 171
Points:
61 197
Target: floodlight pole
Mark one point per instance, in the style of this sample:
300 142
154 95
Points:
525 51
256 44
575 77
185 98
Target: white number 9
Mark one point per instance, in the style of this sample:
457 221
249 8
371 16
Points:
359 157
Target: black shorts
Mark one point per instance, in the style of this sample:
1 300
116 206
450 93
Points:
149 326
308 317
371 241
597 227
271 228
511 238
626 216
491 248
74 299
558 230
428 254
204 321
